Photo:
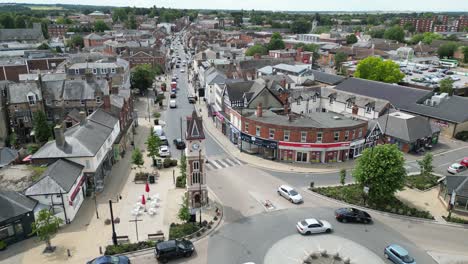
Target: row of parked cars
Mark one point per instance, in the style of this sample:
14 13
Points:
309 226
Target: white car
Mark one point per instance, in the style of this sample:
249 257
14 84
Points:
289 193
164 151
455 78
182 70
172 103
313 226
456 168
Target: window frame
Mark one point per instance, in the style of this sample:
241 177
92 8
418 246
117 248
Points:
336 136
258 131
319 136
288 137
271 133
303 136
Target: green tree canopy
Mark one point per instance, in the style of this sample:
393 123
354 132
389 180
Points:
142 76
43 46
351 39
76 41
446 86
409 27
447 50
131 22
377 33
381 168
425 165
152 144
301 26
256 49
395 33
63 20
41 128
425 38
376 69
276 42
340 57
119 14
137 157
465 54
100 26
45 226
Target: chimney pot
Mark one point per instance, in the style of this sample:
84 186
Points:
259 110
82 117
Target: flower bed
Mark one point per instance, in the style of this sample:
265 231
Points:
353 194
141 177
421 182
454 219
177 231
123 248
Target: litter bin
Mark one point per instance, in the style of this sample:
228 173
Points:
151 178
156 121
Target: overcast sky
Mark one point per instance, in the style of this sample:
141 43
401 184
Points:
294 5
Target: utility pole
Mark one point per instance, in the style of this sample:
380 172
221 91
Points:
95 203
114 235
136 225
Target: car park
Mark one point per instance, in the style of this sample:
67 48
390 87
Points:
173 249
179 143
313 226
110 260
345 215
289 193
456 168
398 255
164 151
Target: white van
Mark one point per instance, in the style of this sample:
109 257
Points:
172 103
158 131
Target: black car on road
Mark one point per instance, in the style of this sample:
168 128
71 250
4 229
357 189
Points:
352 215
179 143
173 249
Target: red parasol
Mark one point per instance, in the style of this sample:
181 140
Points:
147 189
143 200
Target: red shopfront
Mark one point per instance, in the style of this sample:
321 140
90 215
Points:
313 152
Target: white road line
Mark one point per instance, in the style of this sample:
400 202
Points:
224 163
213 164
234 161
445 164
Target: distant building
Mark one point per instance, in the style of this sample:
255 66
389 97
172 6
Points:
27 35
57 30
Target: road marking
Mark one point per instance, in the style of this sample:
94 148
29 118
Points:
235 161
228 162
215 166
220 164
445 164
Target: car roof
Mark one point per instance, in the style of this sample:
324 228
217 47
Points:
166 244
401 251
456 164
163 147
310 221
287 187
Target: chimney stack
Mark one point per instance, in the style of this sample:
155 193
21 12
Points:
59 136
218 56
259 110
82 117
203 55
286 107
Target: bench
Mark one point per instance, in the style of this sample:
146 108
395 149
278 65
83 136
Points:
123 239
159 236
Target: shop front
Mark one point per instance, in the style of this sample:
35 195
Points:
234 135
356 147
313 152
220 122
259 146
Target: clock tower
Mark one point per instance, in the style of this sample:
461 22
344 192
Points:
197 192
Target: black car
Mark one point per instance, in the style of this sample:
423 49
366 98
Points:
352 215
110 260
173 249
179 143
173 95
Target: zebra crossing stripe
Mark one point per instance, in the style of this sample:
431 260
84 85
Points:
220 164
235 161
228 162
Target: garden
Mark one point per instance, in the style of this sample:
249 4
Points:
425 179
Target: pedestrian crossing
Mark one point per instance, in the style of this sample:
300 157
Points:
215 164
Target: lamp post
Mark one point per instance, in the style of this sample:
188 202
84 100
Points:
114 235
95 204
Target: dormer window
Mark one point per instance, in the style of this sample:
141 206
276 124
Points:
349 104
94 71
31 99
369 109
77 71
98 99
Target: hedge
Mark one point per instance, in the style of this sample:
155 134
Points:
123 248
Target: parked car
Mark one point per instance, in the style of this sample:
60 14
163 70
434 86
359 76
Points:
289 193
172 103
110 260
164 151
464 162
182 70
432 70
398 255
164 141
454 78
352 215
173 95
456 168
192 100
179 143
313 226
173 249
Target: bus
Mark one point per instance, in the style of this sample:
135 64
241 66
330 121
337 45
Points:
448 63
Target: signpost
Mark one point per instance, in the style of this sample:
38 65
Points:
136 225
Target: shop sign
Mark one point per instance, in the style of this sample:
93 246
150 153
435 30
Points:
313 145
219 116
234 129
259 141
441 123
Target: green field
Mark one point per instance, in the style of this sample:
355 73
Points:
38 7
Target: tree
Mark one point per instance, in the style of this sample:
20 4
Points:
100 26
425 165
382 170
152 144
446 86
377 33
119 14
131 22
276 42
256 49
237 17
310 48
395 33
184 213
376 69
58 49
351 39
7 21
137 157
452 37
343 176
45 226
43 46
142 77
76 42
447 50
340 57
41 128
301 26
183 166
465 54
410 27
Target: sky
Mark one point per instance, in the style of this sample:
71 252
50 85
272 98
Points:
291 5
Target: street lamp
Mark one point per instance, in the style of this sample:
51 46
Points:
114 235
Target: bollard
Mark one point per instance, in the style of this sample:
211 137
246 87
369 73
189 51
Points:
68 252
100 250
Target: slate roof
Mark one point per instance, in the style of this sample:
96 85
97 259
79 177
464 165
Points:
296 69
454 109
84 90
59 177
13 204
82 140
457 183
278 78
236 90
405 127
7 156
93 36
21 34
194 127
215 77
17 92
327 78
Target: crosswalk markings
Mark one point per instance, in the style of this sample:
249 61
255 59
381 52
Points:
223 163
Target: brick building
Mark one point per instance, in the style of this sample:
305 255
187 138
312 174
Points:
144 55
420 24
57 30
10 70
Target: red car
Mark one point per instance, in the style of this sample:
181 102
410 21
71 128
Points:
464 161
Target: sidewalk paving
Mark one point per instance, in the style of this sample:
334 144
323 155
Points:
259 162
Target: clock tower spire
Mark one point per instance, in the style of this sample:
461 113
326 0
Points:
197 193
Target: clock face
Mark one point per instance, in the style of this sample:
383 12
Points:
195 146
